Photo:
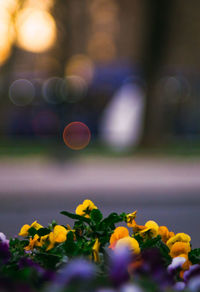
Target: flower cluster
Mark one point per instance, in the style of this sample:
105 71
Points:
96 255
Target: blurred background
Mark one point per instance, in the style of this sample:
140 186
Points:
127 72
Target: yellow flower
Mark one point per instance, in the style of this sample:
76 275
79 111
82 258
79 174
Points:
24 230
183 255
185 267
130 219
129 242
33 242
165 233
95 250
58 235
138 228
85 208
118 233
43 239
171 234
151 228
36 225
26 227
180 248
181 237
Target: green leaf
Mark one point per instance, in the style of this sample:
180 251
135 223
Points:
70 246
32 231
13 242
194 256
75 216
96 216
43 231
153 242
164 250
52 225
112 219
70 236
47 260
139 239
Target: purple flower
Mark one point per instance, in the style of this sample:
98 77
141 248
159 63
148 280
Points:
78 270
176 263
179 286
26 262
194 284
48 276
105 290
4 252
45 275
3 238
120 259
193 271
130 288
153 267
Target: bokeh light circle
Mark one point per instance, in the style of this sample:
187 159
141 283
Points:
10 5
82 66
74 89
101 47
52 90
21 92
76 135
36 30
45 4
7 35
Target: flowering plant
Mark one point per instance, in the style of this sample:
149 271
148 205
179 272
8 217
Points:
95 255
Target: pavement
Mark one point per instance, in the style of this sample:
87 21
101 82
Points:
166 190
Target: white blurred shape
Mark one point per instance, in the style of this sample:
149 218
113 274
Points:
131 288
122 120
21 92
176 263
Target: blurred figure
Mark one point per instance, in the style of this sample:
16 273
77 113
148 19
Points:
122 119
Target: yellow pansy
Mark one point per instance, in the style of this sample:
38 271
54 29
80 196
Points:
165 233
26 227
95 250
171 234
180 248
85 208
181 237
118 233
138 228
33 242
58 235
184 268
129 242
36 225
24 230
151 228
43 239
130 219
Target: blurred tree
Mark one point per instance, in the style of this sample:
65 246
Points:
71 19
157 16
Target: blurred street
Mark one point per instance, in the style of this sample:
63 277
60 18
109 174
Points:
162 189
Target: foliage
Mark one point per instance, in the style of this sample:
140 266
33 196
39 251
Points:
98 254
